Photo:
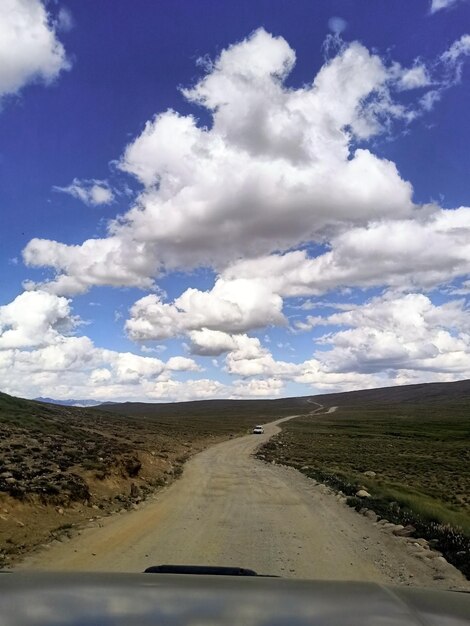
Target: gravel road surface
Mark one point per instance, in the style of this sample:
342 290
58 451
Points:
229 508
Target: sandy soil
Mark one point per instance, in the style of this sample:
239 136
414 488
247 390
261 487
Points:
232 509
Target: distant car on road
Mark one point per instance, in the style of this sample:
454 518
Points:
258 430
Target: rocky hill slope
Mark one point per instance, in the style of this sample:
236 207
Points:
61 466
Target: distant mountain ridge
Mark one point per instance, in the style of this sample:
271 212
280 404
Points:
421 393
456 391
82 403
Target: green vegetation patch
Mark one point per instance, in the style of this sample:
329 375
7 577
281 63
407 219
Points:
419 453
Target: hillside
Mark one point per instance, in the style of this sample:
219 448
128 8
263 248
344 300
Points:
408 447
427 393
61 465
221 409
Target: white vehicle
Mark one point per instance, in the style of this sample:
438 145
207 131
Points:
258 430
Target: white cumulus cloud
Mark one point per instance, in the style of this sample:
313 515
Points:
438 5
399 332
114 261
34 319
230 307
29 48
92 192
277 167
39 355
182 364
277 198
259 388
422 253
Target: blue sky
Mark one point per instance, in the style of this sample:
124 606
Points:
237 199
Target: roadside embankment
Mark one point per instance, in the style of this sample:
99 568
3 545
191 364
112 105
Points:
407 467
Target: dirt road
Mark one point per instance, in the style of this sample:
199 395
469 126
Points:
232 509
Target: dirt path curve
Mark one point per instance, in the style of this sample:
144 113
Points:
232 509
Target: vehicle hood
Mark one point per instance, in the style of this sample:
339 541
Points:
144 599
